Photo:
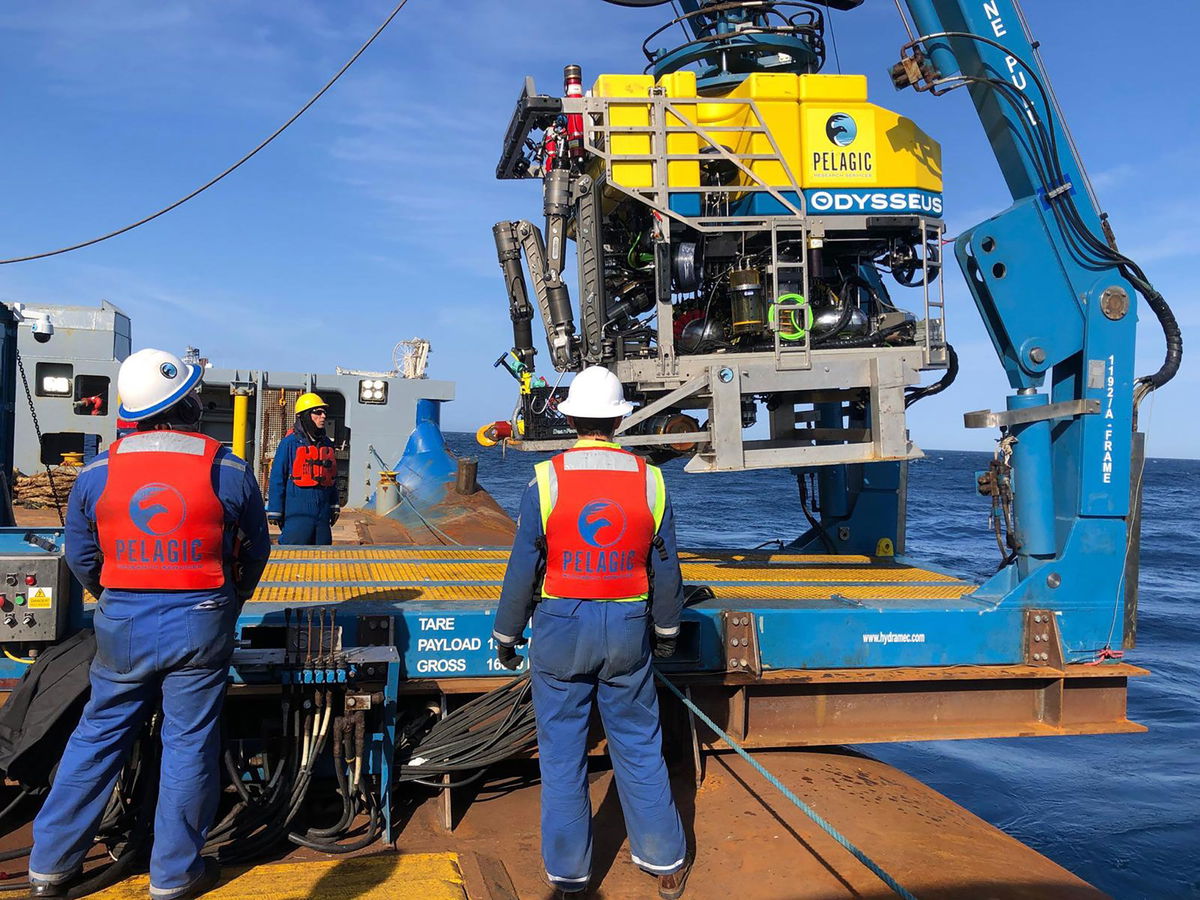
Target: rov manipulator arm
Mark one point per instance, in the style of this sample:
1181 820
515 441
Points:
546 261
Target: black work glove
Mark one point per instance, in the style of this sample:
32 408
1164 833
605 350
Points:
334 514
508 655
665 646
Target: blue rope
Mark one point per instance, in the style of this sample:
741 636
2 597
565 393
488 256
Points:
803 807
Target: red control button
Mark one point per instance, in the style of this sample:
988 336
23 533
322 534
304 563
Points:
31 580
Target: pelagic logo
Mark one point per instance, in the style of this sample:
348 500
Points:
158 510
601 523
598 563
842 131
857 201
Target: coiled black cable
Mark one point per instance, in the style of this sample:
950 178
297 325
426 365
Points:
492 727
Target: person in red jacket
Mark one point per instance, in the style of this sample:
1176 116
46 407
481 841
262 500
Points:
598 522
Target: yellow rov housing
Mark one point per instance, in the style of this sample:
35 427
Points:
774 141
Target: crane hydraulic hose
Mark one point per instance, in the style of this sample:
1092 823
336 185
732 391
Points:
1171 333
1043 145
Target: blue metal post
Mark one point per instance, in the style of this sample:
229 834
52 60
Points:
391 703
831 480
1033 481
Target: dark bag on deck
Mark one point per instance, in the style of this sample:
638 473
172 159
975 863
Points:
44 709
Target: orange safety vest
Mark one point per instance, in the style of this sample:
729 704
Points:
314 465
159 521
601 508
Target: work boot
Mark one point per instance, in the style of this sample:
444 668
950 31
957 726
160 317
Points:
204 882
52 888
670 887
44 889
560 892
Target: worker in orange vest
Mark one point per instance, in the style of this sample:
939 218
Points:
167 529
303 494
597 521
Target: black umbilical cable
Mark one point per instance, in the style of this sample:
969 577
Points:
373 825
867 340
442 785
491 727
15 802
813 523
348 795
920 393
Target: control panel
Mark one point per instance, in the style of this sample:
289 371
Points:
35 587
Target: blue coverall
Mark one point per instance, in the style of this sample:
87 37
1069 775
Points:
173 644
306 512
585 651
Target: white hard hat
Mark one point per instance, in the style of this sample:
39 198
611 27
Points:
151 381
596 393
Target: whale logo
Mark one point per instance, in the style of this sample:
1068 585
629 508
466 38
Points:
157 509
601 523
841 129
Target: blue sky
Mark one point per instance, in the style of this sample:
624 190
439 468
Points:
370 220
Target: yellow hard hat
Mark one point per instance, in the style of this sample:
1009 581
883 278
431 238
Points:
305 402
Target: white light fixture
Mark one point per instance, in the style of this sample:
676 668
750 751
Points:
56 386
372 390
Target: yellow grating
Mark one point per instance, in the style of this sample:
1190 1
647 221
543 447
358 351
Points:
425 593
338 593
849 591
764 556
372 572
430 876
349 572
807 573
403 553
352 574
397 553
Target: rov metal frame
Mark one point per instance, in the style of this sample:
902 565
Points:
793 374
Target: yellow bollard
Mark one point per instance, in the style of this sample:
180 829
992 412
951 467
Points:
241 408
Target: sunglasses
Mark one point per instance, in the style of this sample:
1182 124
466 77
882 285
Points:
319 412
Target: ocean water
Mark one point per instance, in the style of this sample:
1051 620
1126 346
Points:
1121 811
